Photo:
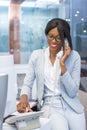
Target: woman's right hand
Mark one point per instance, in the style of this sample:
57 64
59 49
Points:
23 104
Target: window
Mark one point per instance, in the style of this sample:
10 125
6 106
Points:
4 29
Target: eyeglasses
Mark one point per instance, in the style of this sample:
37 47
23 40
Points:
51 37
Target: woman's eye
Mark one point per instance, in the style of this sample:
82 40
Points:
51 36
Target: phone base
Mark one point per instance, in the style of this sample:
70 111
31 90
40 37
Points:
28 124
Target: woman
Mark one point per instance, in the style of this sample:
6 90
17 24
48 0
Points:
57 73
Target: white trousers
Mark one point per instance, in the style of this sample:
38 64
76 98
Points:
62 117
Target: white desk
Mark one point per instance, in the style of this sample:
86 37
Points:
7 66
45 125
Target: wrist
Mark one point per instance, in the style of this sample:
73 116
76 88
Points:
63 69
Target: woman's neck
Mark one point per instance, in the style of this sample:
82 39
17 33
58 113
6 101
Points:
52 57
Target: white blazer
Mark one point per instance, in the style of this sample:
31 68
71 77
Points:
70 80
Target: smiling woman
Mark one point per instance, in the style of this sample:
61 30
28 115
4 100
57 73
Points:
57 80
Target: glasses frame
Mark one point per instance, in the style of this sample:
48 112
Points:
51 37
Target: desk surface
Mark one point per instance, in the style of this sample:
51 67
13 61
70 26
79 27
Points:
45 124
9 127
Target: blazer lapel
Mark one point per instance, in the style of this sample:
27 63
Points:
40 77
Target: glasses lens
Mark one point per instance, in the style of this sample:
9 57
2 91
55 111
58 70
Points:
57 39
51 37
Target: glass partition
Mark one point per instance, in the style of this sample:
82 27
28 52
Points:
4 29
79 27
33 22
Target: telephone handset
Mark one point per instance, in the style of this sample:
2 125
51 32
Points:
60 54
66 42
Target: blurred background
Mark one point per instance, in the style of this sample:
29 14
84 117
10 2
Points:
22 24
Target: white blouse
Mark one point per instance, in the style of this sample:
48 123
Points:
52 75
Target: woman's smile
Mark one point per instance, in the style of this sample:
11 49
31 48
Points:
53 45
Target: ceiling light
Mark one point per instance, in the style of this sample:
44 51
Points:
28 4
48 1
84 31
4 3
77 12
82 19
57 1
76 15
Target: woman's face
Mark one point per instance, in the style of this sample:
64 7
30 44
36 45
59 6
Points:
54 41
